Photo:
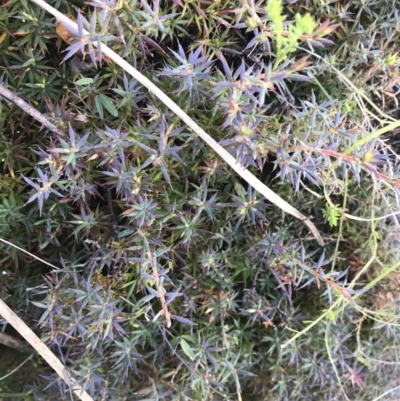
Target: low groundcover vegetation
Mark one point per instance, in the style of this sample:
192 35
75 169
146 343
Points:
175 279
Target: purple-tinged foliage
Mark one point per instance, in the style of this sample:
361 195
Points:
44 190
176 280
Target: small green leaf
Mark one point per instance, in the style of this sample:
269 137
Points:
109 105
39 304
189 338
125 233
187 350
197 396
274 9
332 214
71 159
305 23
99 106
240 190
363 360
84 81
